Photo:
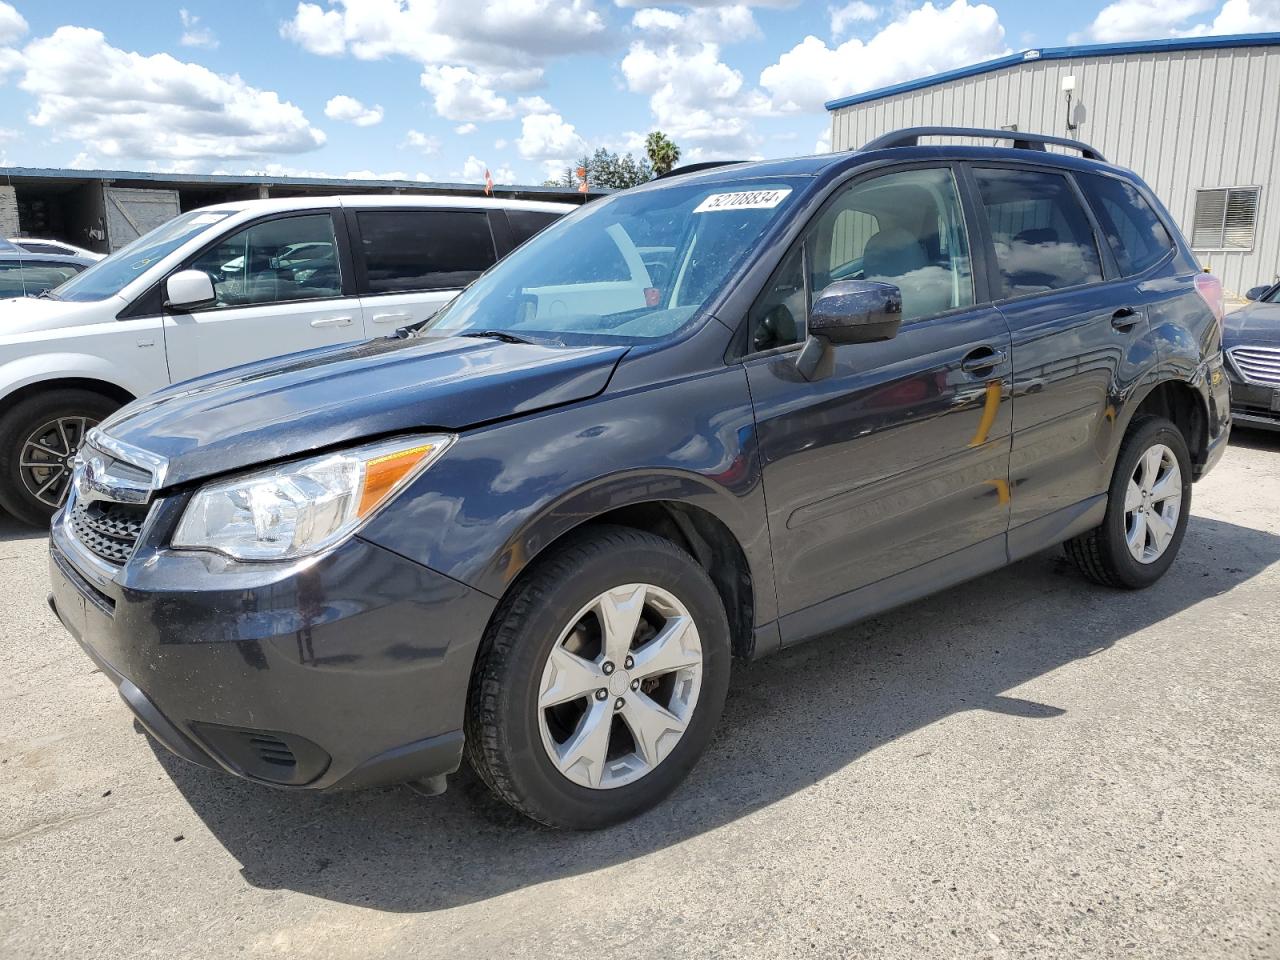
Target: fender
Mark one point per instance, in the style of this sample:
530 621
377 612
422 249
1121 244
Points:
504 493
48 367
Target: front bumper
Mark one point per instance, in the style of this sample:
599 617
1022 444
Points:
343 671
1253 405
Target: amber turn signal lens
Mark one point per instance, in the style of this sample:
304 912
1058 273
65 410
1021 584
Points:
382 474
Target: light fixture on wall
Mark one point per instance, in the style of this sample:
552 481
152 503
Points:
1069 85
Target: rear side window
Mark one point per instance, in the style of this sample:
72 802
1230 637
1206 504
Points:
1042 236
408 250
525 223
11 279
1137 237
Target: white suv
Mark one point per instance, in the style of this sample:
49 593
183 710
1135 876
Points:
222 286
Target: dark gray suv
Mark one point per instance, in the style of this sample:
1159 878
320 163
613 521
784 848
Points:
703 419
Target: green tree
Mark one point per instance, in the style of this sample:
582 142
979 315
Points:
663 153
607 169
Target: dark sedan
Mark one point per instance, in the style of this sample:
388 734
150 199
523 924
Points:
1252 343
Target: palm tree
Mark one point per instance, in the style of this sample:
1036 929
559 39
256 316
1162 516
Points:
663 153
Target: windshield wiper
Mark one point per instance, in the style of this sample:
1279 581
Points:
502 335
47 295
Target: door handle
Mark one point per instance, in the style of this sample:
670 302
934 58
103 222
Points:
331 322
1125 317
984 358
390 317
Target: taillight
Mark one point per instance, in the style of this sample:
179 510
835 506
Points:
1210 289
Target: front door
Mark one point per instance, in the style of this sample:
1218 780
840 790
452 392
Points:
900 455
279 289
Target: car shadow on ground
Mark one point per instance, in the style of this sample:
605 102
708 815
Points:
790 721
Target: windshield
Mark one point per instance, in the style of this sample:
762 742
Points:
108 277
633 267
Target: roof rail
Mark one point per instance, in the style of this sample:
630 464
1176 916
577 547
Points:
695 167
910 136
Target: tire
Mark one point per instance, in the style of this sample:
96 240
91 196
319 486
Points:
78 410
511 736
1104 554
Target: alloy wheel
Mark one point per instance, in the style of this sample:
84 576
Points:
620 686
1153 504
47 455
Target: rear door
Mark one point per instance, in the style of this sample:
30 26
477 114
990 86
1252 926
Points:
281 284
1079 334
899 456
410 262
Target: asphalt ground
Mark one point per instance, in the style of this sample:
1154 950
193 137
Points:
1026 765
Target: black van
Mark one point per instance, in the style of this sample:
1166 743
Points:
703 419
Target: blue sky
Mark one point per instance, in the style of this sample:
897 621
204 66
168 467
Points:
441 90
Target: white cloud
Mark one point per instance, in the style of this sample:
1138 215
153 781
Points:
463 129
937 39
549 138
421 141
534 105
1144 19
352 110
695 97
462 94
130 106
12 29
194 35
842 18
499 35
711 24
824 142
473 172
12 25
500 144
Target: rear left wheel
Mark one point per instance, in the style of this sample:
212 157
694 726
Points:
600 680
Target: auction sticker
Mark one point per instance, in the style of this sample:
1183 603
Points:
744 200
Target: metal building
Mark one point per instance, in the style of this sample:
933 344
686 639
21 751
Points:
103 210
1197 118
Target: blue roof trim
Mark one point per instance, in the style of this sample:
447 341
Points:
1062 53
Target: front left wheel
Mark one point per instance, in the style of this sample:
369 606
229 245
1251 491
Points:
600 680
39 438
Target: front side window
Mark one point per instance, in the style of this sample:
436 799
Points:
109 276
410 250
635 266
904 228
1043 239
294 258
1135 234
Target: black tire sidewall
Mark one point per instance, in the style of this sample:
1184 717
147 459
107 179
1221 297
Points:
544 791
18 424
1146 434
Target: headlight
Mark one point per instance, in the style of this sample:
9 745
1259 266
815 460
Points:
299 508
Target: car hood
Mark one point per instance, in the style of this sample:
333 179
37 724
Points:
288 406
20 315
1258 323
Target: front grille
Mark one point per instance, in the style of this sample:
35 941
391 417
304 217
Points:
1257 364
107 529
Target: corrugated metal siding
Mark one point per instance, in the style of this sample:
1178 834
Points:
1184 120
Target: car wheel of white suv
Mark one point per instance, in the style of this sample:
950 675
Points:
39 438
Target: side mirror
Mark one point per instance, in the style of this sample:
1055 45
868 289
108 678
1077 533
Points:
856 311
188 289
1255 293
848 311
